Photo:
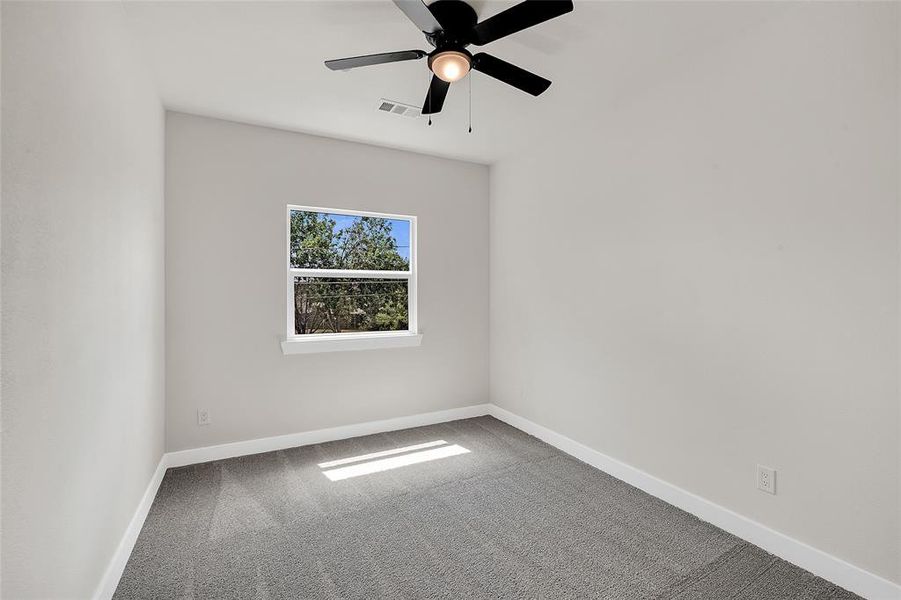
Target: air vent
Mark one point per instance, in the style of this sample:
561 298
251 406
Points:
399 108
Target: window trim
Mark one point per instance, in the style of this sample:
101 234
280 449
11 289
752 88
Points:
330 342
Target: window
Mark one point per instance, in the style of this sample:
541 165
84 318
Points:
351 277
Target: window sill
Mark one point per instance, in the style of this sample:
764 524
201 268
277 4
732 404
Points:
350 342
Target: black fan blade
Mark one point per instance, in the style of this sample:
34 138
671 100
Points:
510 74
434 99
339 64
419 13
516 18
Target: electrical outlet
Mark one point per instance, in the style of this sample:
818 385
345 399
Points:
766 479
203 417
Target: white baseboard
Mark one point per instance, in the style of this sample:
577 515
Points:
816 561
292 440
107 586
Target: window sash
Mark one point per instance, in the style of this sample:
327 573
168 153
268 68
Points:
355 213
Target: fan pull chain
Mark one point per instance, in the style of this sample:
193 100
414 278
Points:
430 99
470 102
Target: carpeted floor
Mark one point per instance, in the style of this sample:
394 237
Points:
510 518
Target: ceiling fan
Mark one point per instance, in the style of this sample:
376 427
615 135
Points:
452 25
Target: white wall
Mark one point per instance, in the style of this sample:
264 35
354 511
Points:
227 188
705 276
83 300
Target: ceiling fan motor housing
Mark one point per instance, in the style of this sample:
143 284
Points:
457 19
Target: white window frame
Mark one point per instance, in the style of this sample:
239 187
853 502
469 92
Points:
330 342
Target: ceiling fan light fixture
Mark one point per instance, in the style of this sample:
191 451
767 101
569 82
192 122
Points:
450 65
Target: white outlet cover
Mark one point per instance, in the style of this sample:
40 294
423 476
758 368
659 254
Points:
203 417
766 479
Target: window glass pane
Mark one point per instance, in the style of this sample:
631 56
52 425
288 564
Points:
346 305
333 241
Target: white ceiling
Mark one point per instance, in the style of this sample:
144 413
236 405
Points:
262 63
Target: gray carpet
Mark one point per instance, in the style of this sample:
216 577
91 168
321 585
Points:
512 518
